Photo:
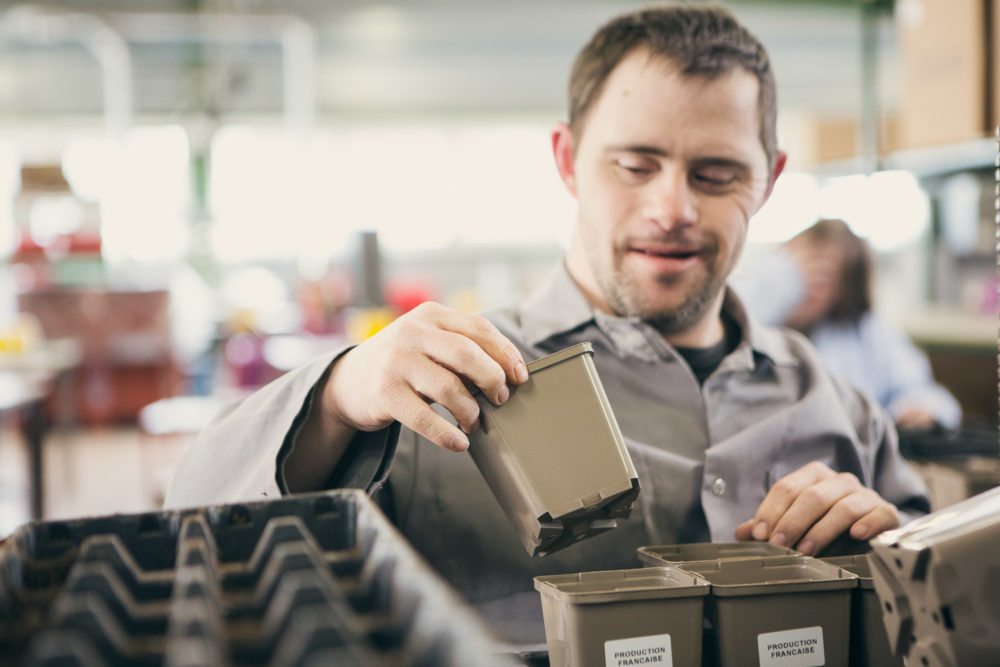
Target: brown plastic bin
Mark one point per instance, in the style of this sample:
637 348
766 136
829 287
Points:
938 579
673 554
553 454
791 611
623 617
869 642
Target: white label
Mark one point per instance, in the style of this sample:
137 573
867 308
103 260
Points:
648 650
802 647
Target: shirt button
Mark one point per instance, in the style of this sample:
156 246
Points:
719 486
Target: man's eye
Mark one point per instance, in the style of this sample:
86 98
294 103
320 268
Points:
638 170
714 177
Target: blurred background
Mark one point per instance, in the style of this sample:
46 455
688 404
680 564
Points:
197 195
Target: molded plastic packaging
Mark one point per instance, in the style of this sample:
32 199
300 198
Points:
673 554
778 610
308 580
553 454
623 617
938 579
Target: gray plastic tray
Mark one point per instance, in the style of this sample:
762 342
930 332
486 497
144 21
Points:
306 580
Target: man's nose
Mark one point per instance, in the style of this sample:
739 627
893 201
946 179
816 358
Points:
670 201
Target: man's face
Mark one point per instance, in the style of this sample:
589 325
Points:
667 173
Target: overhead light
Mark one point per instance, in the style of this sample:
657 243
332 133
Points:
793 206
888 208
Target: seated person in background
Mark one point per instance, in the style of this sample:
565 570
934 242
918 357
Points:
820 283
735 430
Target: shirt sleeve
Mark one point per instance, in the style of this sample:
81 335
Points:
239 455
897 482
909 382
892 476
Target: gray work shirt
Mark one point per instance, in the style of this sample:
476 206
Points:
706 455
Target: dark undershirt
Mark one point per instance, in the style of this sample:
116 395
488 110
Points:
704 360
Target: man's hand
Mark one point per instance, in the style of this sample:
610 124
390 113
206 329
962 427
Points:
432 354
915 419
812 506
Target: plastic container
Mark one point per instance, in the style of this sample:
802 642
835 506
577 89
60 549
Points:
623 617
673 554
937 580
553 454
781 610
307 580
869 642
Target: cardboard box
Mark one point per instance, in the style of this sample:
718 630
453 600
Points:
951 482
836 138
818 139
943 45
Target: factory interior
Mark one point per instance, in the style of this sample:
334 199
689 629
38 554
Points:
198 197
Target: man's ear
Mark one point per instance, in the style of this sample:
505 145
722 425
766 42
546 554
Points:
779 166
562 151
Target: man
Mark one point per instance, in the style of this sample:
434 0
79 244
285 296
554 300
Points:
735 430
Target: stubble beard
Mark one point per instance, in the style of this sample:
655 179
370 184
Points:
627 298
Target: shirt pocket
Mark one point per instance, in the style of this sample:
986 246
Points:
840 454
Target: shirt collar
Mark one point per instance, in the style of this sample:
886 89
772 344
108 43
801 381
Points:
558 306
757 338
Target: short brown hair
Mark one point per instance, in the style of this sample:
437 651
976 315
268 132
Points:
854 297
701 41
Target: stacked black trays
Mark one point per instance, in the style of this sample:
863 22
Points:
319 579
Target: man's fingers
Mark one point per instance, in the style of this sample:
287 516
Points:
432 354
841 516
415 413
486 335
466 359
783 494
815 503
864 512
743 533
812 506
436 384
883 517
915 418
